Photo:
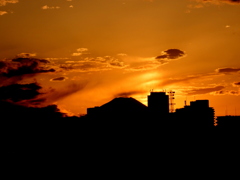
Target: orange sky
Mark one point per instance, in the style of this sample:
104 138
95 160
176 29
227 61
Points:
103 49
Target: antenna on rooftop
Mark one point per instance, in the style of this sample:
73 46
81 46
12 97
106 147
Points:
171 98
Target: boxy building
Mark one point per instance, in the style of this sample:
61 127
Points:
198 114
158 103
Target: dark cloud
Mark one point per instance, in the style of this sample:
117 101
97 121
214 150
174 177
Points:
233 1
27 61
36 102
128 94
221 1
227 92
219 92
58 79
26 99
83 67
13 71
204 90
227 70
14 112
233 92
29 95
22 66
171 54
19 92
236 84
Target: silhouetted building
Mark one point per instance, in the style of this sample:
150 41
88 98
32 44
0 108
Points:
228 121
158 104
198 114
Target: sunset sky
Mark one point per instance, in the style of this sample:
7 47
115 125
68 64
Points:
86 52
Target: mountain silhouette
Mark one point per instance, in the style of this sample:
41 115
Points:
120 114
124 104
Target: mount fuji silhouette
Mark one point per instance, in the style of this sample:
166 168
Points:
120 108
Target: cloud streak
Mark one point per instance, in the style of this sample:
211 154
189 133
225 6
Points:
233 2
3 12
50 7
236 84
53 95
227 70
227 92
89 64
128 93
196 91
5 2
166 56
187 79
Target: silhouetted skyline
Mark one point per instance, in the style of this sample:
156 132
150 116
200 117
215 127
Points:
85 53
88 77
197 115
46 132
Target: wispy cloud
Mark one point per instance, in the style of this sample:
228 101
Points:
52 95
3 12
26 55
50 7
88 64
76 54
227 92
5 2
80 51
236 84
82 61
144 64
57 59
227 70
206 90
122 54
187 79
128 93
234 2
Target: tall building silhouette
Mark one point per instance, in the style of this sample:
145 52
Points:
158 104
